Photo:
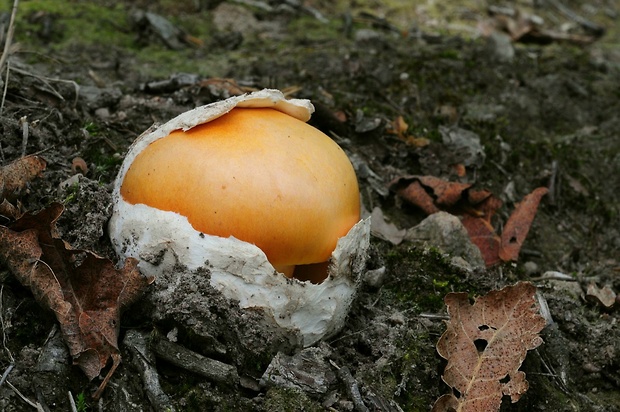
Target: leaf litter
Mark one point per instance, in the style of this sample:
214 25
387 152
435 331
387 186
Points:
85 292
485 344
15 176
477 209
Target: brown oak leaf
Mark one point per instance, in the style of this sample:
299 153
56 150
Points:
485 344
86 292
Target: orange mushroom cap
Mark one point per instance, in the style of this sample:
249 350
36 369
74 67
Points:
257 174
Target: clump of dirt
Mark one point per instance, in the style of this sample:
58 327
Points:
546 115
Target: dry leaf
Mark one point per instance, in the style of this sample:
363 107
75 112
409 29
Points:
518 225
482 234
15 176
219 86
477 207
9 211
86 292
485 344
604 296
385 230
432 194
18 173
399 127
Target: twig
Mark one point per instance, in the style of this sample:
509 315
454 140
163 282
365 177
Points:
72 402
37 405
116 360
194 362
554 275
433 316
144 361
6 373
11 358
594 28
552 196
46 81
9 36
24 122
6 88
351 386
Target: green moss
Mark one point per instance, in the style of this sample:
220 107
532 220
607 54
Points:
422 278
72 193
289 400
72 23
417 366
312 30
80 402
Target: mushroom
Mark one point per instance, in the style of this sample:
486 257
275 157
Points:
259 175
247 190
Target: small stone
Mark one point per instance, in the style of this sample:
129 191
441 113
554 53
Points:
397 318
499 45
530 268
375 277
102 113
446 232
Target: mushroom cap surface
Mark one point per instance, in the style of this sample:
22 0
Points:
257 174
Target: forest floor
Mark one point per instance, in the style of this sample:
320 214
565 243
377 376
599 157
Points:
543 107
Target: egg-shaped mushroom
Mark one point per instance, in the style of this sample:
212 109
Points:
247 190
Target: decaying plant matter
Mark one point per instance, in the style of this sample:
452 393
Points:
85 292
485 344
15 176
477 208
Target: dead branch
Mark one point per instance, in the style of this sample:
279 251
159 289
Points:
194 362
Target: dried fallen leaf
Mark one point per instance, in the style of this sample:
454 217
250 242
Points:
15 176
482 234
476 207
604 296
518 225
18 173
432 194
86 292
9 211
219 86
504 324
385 230
399 127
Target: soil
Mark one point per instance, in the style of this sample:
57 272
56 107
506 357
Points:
88 79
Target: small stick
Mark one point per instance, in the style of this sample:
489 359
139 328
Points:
25 129
551 197
6 87
9 36
6 373
351 386
37 405
594 28
72 402
194 362
352 389
4 329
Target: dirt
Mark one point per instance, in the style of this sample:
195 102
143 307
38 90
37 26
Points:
89 79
